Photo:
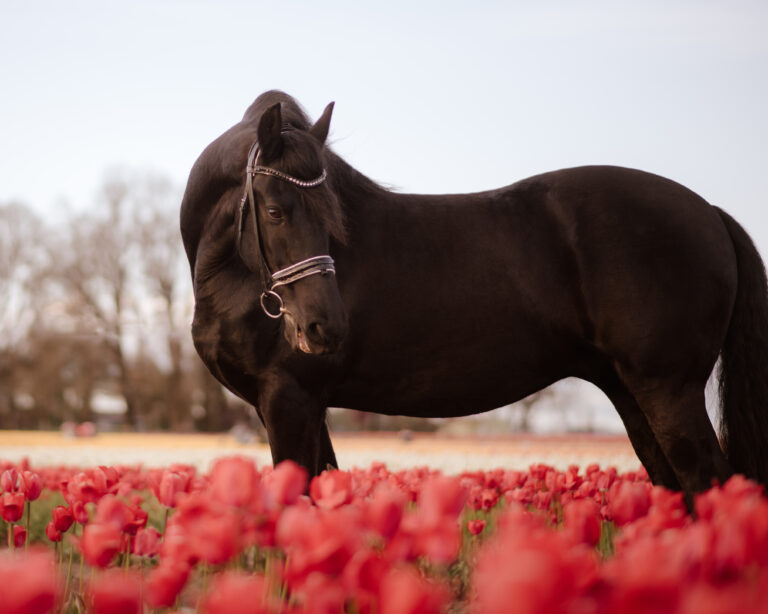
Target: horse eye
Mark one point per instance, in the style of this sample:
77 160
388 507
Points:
274 213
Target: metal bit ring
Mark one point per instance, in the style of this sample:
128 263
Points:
275 296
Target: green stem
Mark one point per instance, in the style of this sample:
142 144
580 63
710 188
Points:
26 541
127 559
80 574
69 570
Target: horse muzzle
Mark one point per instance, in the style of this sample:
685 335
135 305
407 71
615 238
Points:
319 336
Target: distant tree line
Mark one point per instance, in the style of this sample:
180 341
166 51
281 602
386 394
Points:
95 309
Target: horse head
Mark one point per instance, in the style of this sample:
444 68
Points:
289 216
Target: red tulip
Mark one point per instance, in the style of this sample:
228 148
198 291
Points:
175 545
581 519
405 591
441 498
30 485
364 572
321 594
286 483
116 592
318 540
52 532
8 479
147 542
111 510
87 487
12 506
385 510
331 489
526 560
62 518
170 486
30 583
19 536
234 481
138 520
236 593
216 539
100 543
111 478
475 527
628 501
645 578
164 582
79 512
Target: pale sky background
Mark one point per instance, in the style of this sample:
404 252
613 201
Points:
430 96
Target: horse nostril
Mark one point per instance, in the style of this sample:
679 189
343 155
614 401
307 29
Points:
316 332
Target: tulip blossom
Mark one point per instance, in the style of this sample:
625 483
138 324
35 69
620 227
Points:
62 518
525 562
170 485
146 542
234 481
405 591
12 506
331 489
80 512
581 520
100 543
19 536
286 483
385 509
236 593
475 527
87 487
114 511
30 485
8 479
30 583
164 582
628 502
115 592
52 532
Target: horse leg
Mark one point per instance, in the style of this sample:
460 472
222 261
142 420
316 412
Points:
640 434
677 416
295 424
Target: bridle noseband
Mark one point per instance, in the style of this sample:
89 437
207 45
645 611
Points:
294 272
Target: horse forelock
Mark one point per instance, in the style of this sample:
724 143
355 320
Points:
303 157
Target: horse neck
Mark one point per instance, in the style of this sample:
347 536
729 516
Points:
357 192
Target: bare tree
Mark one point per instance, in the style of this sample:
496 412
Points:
101 303
94 271
167 286
21 260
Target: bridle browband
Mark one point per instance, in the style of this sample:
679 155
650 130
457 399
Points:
299 270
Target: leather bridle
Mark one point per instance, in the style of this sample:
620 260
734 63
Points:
299 270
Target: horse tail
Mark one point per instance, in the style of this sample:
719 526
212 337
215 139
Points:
744 363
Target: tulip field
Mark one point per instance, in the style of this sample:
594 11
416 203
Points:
248 539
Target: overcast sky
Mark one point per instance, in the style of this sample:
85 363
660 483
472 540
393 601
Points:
430 96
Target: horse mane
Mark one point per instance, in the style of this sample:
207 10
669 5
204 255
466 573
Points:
303 157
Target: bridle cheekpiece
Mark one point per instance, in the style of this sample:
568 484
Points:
315 265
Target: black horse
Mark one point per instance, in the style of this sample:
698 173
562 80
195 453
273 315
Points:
316 287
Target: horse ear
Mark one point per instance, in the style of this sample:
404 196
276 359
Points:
320 129
270 141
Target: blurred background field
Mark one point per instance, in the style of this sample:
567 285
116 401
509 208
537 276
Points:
451 454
